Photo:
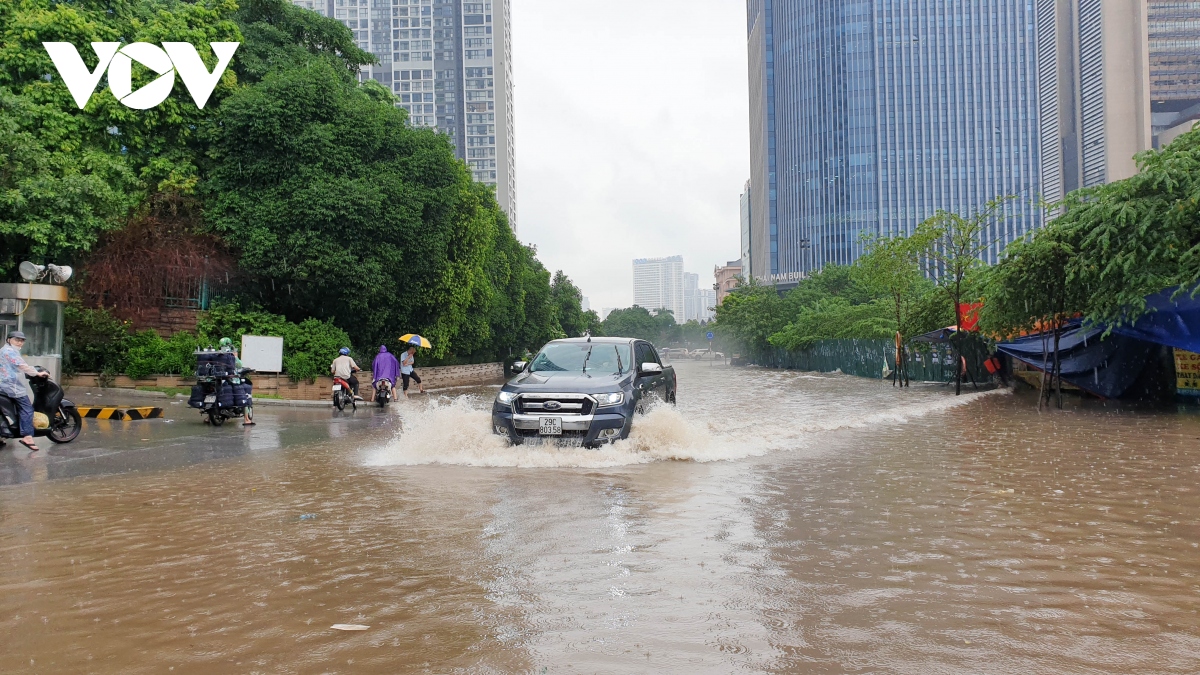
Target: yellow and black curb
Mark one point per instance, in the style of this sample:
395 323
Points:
115 413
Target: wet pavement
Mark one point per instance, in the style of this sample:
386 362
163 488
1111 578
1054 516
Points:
776 522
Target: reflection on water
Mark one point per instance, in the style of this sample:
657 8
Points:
852 528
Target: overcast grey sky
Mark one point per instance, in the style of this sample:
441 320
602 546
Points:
631 135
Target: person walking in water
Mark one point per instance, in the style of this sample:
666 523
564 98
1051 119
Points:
13 370
406 369
385 369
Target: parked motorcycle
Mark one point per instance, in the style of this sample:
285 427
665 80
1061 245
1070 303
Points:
62 424
343 394
383 392
222 391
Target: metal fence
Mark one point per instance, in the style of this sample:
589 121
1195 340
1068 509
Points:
871 358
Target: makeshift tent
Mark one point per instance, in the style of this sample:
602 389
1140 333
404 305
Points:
1107 367
1103 367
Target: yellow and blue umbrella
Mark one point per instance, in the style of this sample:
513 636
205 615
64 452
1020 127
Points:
415 340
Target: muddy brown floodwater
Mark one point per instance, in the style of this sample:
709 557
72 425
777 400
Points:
775 522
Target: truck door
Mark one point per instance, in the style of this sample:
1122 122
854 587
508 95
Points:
648 385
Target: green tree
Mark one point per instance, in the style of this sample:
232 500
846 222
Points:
891 266
1136 237
340 208
633 322
568 306
953 246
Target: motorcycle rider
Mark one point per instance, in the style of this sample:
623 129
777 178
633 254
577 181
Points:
227 346
385 367
345 367
12 384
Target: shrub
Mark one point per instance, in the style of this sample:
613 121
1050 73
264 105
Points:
95 341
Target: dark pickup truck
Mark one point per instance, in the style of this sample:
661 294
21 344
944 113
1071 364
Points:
582 390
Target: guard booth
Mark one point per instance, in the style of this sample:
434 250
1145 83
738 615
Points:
37 311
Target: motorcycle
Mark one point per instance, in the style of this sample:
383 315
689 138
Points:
64 420
343 394
383 392
222 391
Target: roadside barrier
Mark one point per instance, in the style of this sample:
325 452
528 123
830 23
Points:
868 358
118 413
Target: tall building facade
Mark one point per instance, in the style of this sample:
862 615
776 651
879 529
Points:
1174 33
691 298
868 117
658 284
449 62
744 204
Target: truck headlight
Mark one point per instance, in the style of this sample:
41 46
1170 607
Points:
505 397
606 400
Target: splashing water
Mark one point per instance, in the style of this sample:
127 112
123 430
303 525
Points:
724 414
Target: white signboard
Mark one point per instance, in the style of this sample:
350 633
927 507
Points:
261 353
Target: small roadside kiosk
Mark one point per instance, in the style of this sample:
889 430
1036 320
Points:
37 311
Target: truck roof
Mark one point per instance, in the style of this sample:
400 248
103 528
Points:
600 340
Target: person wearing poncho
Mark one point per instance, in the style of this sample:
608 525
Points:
385 367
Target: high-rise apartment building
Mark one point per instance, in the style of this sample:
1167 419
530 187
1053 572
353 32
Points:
658 284
449 62
692 303
868 117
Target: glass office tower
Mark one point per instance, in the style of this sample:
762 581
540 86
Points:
869 116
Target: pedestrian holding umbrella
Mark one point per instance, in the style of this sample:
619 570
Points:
406 361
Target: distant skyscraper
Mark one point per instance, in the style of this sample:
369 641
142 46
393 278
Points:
658 284
691 298
868 117
585 304
449 62
708 300
745 212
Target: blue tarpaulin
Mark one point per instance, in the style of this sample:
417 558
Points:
1108 367
1175 323
1105 368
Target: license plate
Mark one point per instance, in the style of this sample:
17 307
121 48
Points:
337 387
210 399
550 426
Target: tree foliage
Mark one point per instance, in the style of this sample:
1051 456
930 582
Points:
333 207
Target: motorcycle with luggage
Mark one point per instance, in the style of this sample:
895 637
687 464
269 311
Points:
54 416
222 390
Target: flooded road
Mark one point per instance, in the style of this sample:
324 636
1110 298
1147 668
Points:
775 522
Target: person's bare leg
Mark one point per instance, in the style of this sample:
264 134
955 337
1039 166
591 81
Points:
29 443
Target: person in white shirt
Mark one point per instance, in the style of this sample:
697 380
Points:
406 370
345 367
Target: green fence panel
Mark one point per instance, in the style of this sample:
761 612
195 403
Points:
869 358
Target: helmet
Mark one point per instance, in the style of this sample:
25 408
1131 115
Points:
344 351
226 342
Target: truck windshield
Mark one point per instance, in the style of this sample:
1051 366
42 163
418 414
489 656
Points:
599 358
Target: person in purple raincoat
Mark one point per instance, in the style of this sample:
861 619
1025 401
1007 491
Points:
385 367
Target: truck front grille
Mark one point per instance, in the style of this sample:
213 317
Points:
564 405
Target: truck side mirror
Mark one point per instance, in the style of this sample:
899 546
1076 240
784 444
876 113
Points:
650 368
518 366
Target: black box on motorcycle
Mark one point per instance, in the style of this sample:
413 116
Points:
225 395
215 364
196 400
241 394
